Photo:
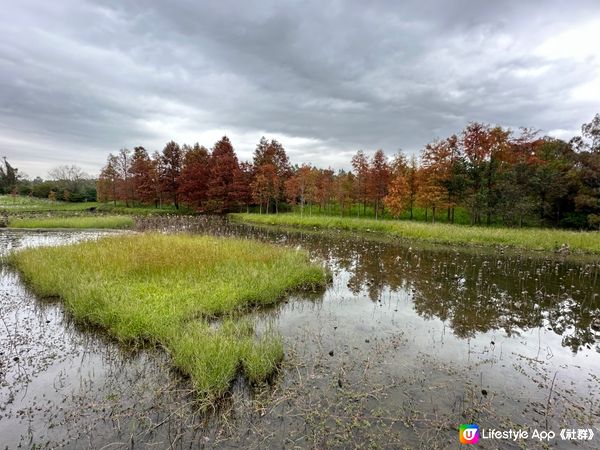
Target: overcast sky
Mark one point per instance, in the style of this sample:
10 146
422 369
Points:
79 79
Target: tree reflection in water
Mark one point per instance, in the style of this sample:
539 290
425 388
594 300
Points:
473 290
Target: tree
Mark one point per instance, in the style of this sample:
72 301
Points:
586 170
476 150
324 188
499 140
260 191
67 172
300 186
8 177
266 186
455 179
377 181
587 199
398 196
194 177
360 164
241 192
484 149
344 190
412 180
431 193
171 162
272 153
71 179
143 176
122 163
443 175
591 132
108 180
223 171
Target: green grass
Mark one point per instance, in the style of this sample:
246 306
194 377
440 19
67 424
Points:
461 216
23 204
164 289
91 221
120 208
526 238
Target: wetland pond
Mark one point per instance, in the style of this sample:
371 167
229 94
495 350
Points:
406 343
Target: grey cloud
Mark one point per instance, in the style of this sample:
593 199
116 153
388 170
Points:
80 79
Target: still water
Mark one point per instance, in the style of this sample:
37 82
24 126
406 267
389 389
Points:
405 344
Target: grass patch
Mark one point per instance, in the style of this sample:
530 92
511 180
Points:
461 215
144 210
164 289
526 238
91 221
23 204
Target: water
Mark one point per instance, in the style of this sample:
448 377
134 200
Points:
405 344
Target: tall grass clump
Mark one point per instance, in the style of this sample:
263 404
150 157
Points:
166 289
526 238
91 221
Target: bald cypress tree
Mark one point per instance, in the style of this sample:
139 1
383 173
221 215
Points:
171 162
223 176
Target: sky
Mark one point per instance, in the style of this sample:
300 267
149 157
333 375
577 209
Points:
80 79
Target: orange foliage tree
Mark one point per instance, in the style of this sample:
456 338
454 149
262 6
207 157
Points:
193 181
378 178
224 169
398 196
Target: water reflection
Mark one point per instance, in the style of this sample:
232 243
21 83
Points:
476 293
473 291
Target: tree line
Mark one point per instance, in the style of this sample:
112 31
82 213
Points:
492 173
67 183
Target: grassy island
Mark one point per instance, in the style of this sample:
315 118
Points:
185 293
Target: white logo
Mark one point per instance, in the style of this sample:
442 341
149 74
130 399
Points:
469 433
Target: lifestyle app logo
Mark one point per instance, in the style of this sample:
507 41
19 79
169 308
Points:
468 433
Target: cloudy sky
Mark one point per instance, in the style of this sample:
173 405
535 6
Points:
79 79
